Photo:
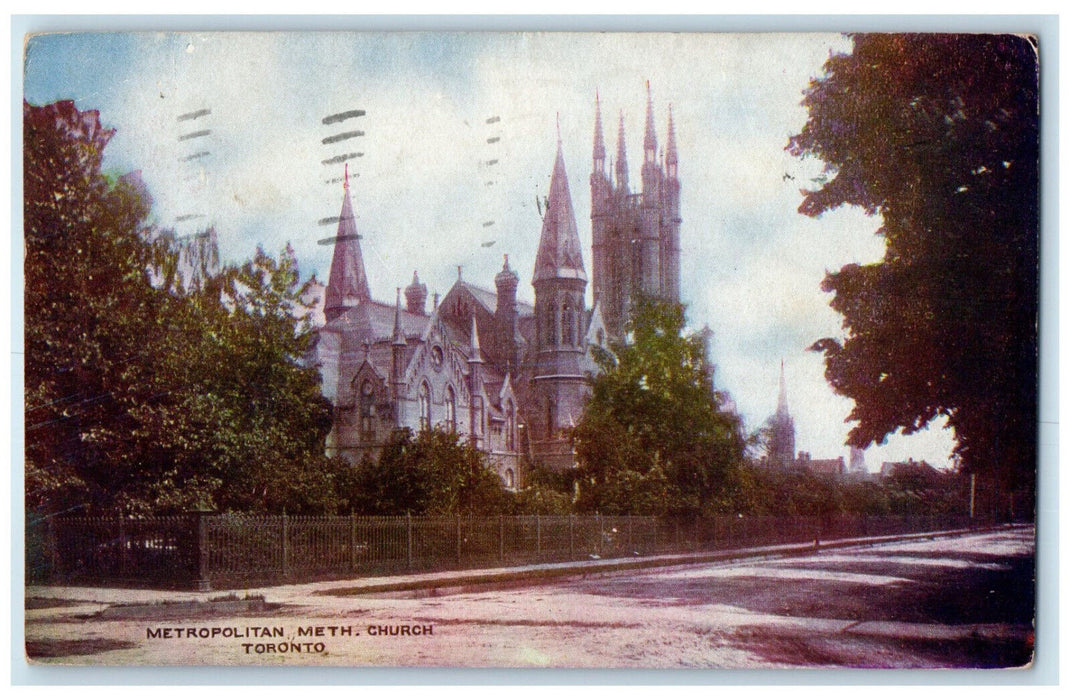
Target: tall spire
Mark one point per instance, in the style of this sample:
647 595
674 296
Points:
782 399
599 140
670 148
650 140
560 255
622 156
347 285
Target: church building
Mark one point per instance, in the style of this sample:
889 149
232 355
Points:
509 376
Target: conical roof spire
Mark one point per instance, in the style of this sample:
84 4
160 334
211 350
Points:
560 255
347 285
782 399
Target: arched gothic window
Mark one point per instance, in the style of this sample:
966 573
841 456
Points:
451 409
367 411
425 406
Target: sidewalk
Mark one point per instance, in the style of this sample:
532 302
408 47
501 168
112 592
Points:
435 581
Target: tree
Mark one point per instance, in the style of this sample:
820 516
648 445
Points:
938 134
143 397
654 438
433 472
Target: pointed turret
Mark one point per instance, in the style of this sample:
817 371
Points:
347 285
650 140
475 387
599 157
416 296
399 335
477 355
670 148
397 358
505 313
560 255
622 157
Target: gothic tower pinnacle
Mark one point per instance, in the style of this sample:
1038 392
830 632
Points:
622 157
650 139
599 157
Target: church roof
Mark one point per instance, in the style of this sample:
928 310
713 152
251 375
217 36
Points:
489 300
373 321
560 255
348 282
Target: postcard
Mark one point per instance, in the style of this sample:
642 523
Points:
531 349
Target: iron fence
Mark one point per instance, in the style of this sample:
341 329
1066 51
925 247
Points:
202 551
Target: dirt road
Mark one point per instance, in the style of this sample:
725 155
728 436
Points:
957 602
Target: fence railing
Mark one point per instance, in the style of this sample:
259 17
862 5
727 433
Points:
204 551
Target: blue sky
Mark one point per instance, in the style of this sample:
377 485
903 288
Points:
752 265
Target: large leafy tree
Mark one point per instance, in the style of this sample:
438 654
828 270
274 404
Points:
433 472
654 437
142 396
937 134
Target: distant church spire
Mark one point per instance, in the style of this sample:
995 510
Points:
782 440
782 399
560 255
347 285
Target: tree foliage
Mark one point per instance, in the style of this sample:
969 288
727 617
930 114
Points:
433 472
938 134
142 396
654 438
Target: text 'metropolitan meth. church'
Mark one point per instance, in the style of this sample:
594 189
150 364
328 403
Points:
508 376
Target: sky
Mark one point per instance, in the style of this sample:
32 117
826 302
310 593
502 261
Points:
431 176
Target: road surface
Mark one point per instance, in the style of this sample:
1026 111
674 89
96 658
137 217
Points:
955 602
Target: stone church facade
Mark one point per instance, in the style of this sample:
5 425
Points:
509 376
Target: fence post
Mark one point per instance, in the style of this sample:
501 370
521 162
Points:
285 544
202 577
52 542
598 521
538 536
122 547
571 548
352 542
458 538
501 538
628 521
408 538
